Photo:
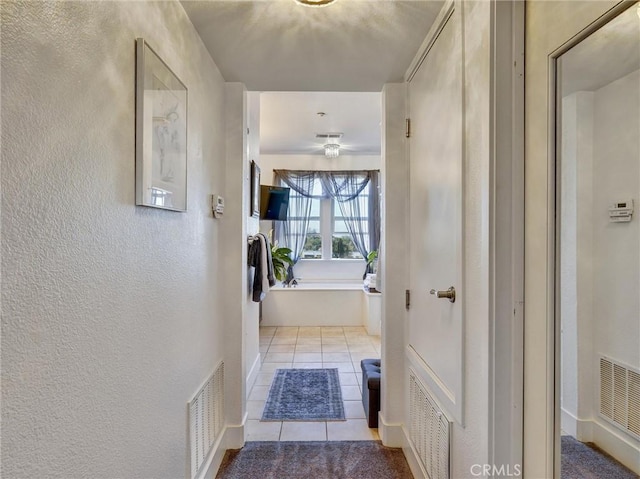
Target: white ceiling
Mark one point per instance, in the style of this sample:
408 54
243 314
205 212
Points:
608 54
289 122
296 53
279 45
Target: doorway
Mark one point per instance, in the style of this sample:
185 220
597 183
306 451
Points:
598 253
320 320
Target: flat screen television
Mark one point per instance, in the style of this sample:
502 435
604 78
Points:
274 202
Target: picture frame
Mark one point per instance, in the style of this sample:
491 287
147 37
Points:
255 190
161 133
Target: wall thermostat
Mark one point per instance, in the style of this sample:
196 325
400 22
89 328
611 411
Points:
217 206
621 211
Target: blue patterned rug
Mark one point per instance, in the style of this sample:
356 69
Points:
304 395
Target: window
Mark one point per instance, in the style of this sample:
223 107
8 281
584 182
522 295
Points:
342 245
327 234
313 244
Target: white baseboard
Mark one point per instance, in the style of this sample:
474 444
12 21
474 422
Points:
234 435
625 449
213 460
581 429
412 457
391 435
253 374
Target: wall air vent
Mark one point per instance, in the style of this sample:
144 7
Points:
620 395
329 136
429 430
206 418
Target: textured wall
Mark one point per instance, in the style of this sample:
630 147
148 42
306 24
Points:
109 311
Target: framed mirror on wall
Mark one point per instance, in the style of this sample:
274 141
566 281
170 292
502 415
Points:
597 307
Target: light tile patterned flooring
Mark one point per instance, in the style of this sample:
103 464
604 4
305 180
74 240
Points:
313 347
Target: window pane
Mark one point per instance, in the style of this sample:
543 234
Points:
363 201
295 212
317 188
314 226
315 207
312 247
340 227
344 248
313 244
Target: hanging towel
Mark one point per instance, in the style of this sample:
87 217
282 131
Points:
260 259
270 269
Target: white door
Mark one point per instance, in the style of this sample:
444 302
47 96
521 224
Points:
436 217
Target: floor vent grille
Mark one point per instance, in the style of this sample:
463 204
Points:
206 418
620 395
429 430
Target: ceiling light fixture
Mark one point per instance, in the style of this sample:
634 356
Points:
331 150
331 147
315 3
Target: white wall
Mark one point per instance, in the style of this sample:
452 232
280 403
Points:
576 253
111 315
234 254
616 176
393 271
251 337
599 260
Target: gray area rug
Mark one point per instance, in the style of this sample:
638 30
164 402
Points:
586 461
317 460
304 395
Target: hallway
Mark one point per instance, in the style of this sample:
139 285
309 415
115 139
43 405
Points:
313 347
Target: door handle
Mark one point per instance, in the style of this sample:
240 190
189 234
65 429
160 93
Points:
450 294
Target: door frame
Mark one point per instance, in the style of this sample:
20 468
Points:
506 236
555 164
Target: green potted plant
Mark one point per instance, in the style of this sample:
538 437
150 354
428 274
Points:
281 261
372 260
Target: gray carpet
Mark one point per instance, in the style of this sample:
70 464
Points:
316 460
587 461
304 395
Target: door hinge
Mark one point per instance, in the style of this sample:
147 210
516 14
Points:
407 299
407 132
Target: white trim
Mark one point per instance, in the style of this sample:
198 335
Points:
412 457
569 423
506 286
615 443
444 396
234 434
213 461
253 374
437 27
391 435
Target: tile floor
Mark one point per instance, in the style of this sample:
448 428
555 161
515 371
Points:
313 347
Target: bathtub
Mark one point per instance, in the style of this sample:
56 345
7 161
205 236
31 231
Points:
311 303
